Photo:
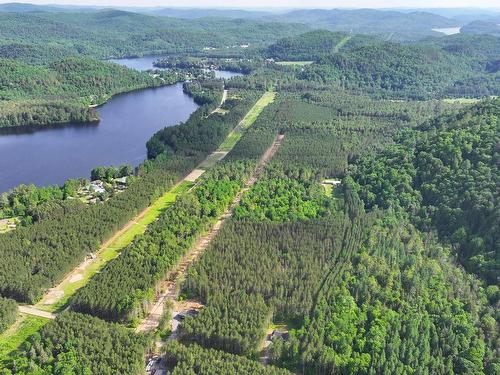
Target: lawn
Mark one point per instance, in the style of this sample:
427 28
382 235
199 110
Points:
25 326
328 189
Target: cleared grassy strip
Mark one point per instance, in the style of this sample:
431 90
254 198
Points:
294 63
212 160
71 284
461 100
342 43
25 326
247 121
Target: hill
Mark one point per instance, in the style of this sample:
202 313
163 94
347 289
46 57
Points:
482 27
457 66
396 25
115 33
61 91
447 178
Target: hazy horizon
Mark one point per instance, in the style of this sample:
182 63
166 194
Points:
277 4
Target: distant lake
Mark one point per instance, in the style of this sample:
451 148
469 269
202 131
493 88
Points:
50 155
146 62
448 30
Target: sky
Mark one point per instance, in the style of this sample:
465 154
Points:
279 3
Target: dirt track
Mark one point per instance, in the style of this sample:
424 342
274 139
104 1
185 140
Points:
171 286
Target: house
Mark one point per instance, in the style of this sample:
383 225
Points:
283 335
332 182
121 180
97 186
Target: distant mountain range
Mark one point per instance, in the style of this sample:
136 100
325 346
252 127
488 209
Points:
482 27
400 24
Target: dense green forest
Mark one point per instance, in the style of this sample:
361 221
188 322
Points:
8 313
444 175
399 306
197 360
393 270
126 286
63 90
31 204
456 66
327 130
315 44
80 344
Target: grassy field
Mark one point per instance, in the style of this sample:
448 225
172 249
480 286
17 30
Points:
247 121
69 286
25 326
294 63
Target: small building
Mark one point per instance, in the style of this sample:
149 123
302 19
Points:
331 182
283 335
121 180
97 186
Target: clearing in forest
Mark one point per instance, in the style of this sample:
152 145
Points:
294 63
342 43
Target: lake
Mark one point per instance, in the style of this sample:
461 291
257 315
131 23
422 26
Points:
146 62
51 155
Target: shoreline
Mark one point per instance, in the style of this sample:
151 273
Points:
29 128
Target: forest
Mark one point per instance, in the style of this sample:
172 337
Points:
367 243
195 359
444 174
24 276
115 33
126 286
399 306
458 66
63 90
8 313
80 344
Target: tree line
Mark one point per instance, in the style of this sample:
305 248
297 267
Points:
194 359
80 344
36 257
126 286
8 313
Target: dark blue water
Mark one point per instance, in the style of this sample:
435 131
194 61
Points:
145 63
46 156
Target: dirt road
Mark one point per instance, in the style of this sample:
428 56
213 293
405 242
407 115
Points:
33 311
171 285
